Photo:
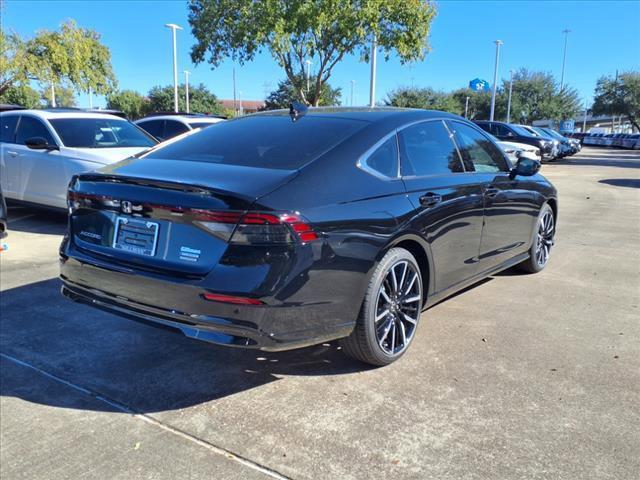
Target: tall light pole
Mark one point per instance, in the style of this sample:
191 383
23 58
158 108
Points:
495 79
53 96
466 108
353 82
90 98
584 119
308 62
566 32
372 85
235 102
173 28
186 88
509 101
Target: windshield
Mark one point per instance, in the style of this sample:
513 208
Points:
263 141
100 133
541 132
522 131
553 133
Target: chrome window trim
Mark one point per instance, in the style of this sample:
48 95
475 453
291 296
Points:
362 160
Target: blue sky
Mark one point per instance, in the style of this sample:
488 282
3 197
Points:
605 36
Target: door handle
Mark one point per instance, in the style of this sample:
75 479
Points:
12 153
491 191
430 199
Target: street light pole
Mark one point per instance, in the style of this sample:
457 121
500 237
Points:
466 108
372 85
353 82
584 119
173 28
53 96
495 80
509 101
566 32
308 62
186 88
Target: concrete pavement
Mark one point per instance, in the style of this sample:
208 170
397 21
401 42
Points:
523 376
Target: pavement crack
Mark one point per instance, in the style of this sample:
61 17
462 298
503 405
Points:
228 454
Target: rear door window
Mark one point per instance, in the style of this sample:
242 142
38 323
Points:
29 127
154 127
427 149
478 152
8 128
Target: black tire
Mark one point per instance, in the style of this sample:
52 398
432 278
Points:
543 237
405 303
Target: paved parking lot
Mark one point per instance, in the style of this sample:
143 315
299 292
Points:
523 376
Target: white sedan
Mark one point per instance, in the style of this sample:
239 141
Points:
40 150
516 150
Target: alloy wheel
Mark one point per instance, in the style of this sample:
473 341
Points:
544 242
398 307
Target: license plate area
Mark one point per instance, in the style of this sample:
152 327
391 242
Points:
136 236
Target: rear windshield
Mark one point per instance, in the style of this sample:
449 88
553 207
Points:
269 141
201 124
100 133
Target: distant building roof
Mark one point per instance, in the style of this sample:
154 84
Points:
246 104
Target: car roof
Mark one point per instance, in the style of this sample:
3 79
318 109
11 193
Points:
184 118
367 114
51 114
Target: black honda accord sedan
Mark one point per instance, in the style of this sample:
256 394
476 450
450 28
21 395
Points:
290 228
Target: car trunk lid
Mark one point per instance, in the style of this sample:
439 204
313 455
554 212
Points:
160 224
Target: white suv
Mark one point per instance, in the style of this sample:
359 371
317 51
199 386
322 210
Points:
166 126
40 150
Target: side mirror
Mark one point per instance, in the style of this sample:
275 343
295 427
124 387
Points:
525 167
39 143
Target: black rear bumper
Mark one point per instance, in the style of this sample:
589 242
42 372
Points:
289 318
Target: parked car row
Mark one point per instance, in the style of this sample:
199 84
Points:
41 150
283 229
619 140
551 144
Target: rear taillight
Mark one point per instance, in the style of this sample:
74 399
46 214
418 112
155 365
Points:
255 228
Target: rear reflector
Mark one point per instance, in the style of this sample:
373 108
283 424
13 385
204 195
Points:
216 297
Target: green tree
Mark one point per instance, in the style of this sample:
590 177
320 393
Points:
619 96
536 96
131 103
71 55
479 103
201 100
286 93
22 95
16 62
65 97
322 31
427 98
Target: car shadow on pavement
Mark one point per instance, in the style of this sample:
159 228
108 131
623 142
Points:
144 368
36 220
622 182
